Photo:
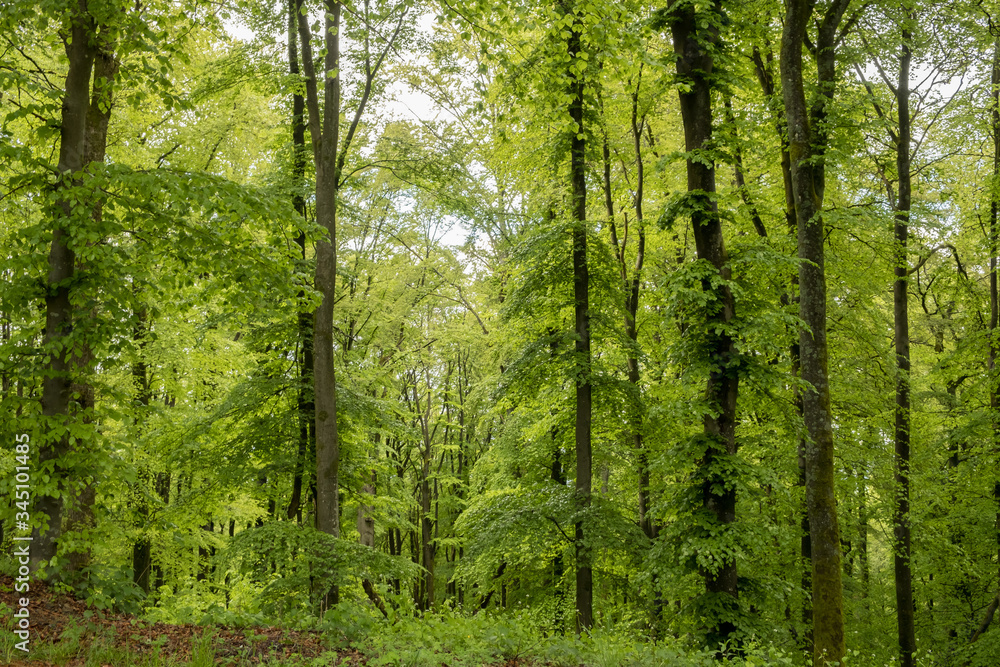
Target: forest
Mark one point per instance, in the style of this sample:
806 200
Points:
468 332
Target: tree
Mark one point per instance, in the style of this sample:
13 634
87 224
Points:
330 153
576 66
807 140
80 50
696 35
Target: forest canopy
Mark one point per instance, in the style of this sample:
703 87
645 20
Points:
672 324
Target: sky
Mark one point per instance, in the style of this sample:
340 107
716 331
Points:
406 104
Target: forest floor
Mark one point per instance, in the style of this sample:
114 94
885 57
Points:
68 633
62 619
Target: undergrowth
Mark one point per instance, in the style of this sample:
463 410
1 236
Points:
406 639
459 639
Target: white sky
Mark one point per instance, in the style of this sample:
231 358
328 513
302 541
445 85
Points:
405 104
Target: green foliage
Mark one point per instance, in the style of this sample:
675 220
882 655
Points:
289 567
453 331
459 639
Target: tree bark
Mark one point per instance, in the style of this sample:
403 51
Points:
161 483
807 143
558 476
329 157
694 46
80 513
987 619
325 140
901 519
581 301
366 536
994 296
764 70
142 550
304 399
426 530
80 50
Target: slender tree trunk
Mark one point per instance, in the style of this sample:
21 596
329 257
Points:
142 550
426 531
162 487
764 68
206 567
559 477
304 400
80 510
863 565
693 43
325 397
901 519
366 536
632 289
807 142
581 300
325 139
57 382
994 297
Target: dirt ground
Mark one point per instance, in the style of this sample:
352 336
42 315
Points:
52 613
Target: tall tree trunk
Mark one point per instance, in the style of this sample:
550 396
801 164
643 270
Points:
80 513
325 396
765 76
304 399
863 565
329 157
901 519
807 142
694 46
325 139
80 50
206 566
994 297
581 301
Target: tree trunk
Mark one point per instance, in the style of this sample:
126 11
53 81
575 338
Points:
987 619
80 513
581 301
426 530
559 477
56 385
807 143
142 551
994 297
366 536
304 400
632 287
694 46
901 518
863 539
162 487
205 566
325 140
765 76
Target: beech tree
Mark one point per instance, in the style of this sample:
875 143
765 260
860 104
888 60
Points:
807 141
695 35
330 153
